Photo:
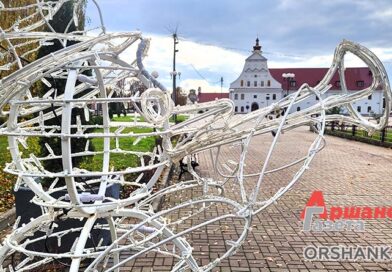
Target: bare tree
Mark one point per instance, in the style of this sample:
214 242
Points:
181 99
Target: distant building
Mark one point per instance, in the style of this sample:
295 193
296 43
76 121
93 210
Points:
205 97
257 86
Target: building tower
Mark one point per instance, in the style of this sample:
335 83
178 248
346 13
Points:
255 87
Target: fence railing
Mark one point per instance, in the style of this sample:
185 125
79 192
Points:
357 133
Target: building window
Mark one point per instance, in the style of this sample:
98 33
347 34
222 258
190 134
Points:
273 96
298 108
242 109
360 83
317 98
254 96
337 83
262 83
242 83
369 108
359 109
247 107
255 83
370 97
236 109
269 83
248 83
242 96
293 83
267 97
235 96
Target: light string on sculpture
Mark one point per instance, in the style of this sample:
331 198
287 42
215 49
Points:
133 225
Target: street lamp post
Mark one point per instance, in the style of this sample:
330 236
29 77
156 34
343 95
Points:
174 73
288 77
221 82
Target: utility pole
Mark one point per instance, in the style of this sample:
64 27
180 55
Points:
221 81
174 73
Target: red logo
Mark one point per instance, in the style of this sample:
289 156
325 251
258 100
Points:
345 212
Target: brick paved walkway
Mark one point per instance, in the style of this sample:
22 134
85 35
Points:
348 173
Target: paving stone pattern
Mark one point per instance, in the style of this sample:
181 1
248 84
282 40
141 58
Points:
347 172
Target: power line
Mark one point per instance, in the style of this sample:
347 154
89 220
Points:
279 54
201 76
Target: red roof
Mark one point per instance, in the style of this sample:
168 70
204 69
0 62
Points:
205 97
312 76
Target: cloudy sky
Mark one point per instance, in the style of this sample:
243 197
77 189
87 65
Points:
216 36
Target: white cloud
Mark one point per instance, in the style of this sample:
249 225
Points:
381 13
210 61
188 84
210 58
384 15
316 61
384 54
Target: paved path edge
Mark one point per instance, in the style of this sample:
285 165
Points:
7 219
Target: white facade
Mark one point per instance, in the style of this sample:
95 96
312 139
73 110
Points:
256 88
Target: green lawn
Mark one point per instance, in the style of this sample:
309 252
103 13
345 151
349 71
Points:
93 163
6 180
363 133
119 161
130 118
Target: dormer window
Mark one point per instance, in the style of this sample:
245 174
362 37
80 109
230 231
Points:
248 83
293 83
337 83
269 83
360 83
242 83
262 83
255 84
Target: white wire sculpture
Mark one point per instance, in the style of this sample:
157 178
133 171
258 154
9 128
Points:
135 229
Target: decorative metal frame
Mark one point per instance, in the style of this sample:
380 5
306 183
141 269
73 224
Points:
134 226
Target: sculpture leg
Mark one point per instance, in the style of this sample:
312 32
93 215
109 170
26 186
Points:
84 235
113 234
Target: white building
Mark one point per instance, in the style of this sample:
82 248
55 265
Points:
257 86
